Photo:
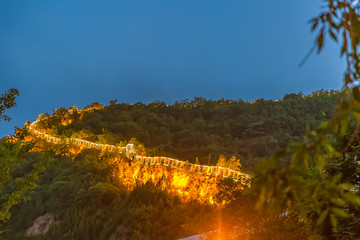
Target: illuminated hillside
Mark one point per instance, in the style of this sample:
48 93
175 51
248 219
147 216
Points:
197 129
193 182
103 183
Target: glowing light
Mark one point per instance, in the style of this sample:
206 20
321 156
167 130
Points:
190 181
180 180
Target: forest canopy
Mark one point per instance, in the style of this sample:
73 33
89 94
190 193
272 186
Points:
199 128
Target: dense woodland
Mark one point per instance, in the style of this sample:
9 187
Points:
310 190
92 194
88 203
200 128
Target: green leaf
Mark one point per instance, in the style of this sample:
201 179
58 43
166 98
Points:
344 46
332 35
336 178
333 221
328 147
322 217
352 198
344 127
315 23
338 202
320 40
346 186
340 212
356 116
307 159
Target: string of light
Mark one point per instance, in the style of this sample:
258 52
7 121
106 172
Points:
130 153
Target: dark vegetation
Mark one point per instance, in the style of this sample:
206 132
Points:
204 128
317 189
88 202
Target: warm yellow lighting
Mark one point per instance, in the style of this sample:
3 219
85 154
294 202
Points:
192 182
180 180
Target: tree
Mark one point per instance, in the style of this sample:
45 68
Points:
305 187
232 163
13 188
7 100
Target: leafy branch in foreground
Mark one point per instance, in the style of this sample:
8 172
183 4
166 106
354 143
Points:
7 100
14 186
304 187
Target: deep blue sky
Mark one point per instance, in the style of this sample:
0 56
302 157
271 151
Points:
65 53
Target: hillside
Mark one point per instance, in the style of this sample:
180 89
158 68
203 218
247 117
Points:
200 128
89 193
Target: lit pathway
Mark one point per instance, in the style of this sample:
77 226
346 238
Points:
131 154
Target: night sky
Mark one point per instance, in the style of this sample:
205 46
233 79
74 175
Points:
66 53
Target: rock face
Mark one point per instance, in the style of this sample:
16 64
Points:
40 225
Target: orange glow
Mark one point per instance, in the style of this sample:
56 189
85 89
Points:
211 200
189 186
190 182
180 180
